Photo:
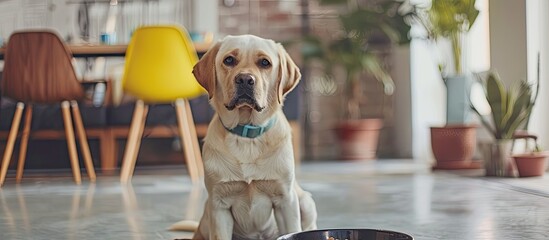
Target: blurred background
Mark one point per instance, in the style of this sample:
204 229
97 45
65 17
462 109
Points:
507 35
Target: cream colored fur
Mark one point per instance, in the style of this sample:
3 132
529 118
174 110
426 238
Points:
252 191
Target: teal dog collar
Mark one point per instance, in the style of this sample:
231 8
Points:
251 131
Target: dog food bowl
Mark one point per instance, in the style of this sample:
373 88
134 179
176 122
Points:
347 234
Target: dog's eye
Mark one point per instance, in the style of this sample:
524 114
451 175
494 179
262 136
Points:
264 63
229 61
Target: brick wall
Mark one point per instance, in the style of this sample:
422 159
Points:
278 20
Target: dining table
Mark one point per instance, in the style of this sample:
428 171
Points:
103 50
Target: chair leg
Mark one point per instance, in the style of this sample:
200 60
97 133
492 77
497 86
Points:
11 141
132 144
186 139
24 144
83 139
140 134
107 145
71 144
194 137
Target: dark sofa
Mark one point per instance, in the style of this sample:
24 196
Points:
107 127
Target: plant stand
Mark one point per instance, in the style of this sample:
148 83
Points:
453 147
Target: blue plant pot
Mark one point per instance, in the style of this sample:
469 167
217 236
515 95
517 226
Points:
458 104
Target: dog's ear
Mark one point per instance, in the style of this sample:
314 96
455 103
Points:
288 73
204 70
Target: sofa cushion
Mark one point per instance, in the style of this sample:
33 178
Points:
160 114
48 116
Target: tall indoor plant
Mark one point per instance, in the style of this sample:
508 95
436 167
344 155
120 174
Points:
454 144
509 110
354 51
451 20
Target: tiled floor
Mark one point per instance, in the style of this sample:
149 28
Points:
394 195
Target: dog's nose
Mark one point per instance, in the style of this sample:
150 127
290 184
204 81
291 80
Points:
246 79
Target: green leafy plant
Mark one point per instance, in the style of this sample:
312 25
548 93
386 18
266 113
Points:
449 19
353 49
524 134
510 108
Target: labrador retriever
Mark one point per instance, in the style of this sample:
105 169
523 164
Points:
247 152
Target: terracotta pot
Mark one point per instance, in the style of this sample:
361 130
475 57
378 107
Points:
453 146
358 138
531 164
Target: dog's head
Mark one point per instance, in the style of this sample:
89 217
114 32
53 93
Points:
247 77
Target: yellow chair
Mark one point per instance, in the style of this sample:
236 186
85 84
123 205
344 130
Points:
158 69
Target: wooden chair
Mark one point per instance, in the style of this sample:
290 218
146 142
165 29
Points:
158 69
38 69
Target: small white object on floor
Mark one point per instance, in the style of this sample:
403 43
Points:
185 225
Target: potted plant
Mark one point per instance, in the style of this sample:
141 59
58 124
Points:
354 51
451 20
533 162
508 111
454 144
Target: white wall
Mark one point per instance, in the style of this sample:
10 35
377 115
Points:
537 42
206 15
428 98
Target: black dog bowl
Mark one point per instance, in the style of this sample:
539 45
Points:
347 234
